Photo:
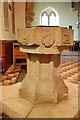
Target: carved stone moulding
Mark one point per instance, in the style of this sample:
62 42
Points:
46 36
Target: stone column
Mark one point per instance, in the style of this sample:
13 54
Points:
43 82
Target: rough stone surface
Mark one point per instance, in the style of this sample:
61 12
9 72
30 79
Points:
43 83
45 36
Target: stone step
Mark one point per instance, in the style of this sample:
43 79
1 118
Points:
17 108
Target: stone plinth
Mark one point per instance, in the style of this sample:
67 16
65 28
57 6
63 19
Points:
43 83
17 107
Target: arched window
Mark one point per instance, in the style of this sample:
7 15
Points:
44 18
52 19
49 17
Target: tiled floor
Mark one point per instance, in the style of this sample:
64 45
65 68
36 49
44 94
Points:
70 70
10 76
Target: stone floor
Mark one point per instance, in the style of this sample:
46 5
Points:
17 107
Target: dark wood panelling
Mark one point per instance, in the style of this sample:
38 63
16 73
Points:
6 54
